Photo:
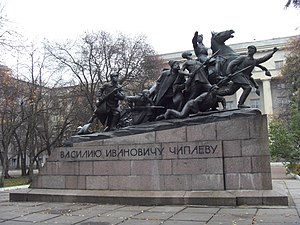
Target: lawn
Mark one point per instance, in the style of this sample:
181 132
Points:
16 181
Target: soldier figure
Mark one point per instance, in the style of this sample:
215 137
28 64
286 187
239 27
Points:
108 109
244 79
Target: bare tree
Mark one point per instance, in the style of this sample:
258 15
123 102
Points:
295 3
91 59
47 111
8 37
10 118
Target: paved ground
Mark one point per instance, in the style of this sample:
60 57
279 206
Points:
22 213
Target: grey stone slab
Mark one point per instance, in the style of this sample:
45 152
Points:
167 208
143 222
55 154
184 223
213 198
122 214
81 182
85 168
148 137
117 168
12 222
37 182
230 219
52 181
291 184
238 212
200 210
99 220
97 182
71 182
261 164
135 208
67 168
238 128
201 132
171 135
275 198
249 197
89 143
154 215
199 149
232 148
9 215
287 219
248 181
208 182
183 216
106 208
237 165
279 172
138 152
233 222
272 223
177 182
66 219
255 147
169 152
215 166
151 167
277 211
90 212
35 217
258 126
136 183
189 166
147 198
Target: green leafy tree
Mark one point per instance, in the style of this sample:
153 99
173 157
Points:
285 128
285 139
291 70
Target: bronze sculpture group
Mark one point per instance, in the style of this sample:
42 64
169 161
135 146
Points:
198 85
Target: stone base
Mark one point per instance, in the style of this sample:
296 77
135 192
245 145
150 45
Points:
217 152
277 196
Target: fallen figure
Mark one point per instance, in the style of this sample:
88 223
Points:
207 101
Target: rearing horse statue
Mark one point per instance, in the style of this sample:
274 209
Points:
224 55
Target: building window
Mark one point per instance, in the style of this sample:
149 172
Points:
278 64
254 103
229 105
281 86
282 101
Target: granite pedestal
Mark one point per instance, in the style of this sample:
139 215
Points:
223 154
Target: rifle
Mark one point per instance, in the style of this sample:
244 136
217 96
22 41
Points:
85 127
140 108
206 61
103 99
230 76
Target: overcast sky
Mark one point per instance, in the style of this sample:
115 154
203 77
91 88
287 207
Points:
168 24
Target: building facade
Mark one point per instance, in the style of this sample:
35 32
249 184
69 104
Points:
273 94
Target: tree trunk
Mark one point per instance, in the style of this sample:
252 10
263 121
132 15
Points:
2 174
6 174
1 179
18 162
5 165
30 169
23 163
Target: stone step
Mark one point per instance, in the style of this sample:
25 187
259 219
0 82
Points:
277 196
